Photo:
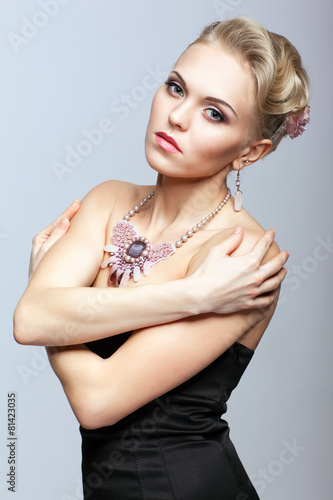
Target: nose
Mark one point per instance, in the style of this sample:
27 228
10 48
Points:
180 115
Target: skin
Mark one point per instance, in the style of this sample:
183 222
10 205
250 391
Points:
210 147
190 184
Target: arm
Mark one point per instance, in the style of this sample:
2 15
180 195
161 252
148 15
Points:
60 308
43 241
151 362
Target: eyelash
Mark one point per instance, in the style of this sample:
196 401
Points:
222 118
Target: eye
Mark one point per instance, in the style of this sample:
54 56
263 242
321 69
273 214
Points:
216 115
174 87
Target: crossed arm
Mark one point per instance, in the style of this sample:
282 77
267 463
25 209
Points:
191 333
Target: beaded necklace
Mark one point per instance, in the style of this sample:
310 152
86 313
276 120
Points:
131 254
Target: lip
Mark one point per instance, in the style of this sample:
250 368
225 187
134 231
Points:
170 140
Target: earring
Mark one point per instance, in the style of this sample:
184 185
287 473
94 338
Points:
239 194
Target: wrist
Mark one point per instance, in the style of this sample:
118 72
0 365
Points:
192 298
178 299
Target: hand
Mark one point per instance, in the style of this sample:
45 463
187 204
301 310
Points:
227 284
48 236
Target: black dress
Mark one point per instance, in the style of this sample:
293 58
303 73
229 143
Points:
176 447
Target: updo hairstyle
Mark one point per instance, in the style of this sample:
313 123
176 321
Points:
281 82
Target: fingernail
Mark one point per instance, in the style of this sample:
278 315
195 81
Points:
237 230
76 202
273 231
63 223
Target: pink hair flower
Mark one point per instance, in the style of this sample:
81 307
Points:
295 124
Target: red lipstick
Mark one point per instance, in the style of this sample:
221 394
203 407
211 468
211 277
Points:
167 142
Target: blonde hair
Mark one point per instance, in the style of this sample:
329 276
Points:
282 84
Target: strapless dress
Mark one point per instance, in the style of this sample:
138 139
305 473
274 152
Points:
177 447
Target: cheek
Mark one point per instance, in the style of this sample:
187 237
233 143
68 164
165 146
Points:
215 143
156 105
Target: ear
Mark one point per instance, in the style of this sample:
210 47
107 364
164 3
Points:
252 153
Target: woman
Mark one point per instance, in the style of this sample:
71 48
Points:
154 337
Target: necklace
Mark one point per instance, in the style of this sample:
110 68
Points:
131 254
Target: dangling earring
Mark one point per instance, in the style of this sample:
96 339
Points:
238 194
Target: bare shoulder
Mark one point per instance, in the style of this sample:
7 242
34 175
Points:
252 232
108 194
110 189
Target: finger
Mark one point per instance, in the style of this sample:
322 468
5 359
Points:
71 210
262 301
68 213
231 243
273 282
60 229
263 244
274 265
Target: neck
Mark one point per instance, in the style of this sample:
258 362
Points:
183 202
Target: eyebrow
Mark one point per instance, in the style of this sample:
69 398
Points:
208 98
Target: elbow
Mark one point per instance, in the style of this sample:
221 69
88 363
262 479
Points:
22 327
18 326
89 419
87 423
91 415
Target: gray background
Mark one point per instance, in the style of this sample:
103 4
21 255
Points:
67 77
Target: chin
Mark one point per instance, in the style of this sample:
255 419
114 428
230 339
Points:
156 165
156 161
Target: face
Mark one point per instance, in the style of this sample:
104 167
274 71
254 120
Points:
206 106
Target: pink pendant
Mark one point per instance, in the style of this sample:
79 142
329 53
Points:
119 274
136 273
131 254
125 278
113 269
238 201
107 262
146 268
